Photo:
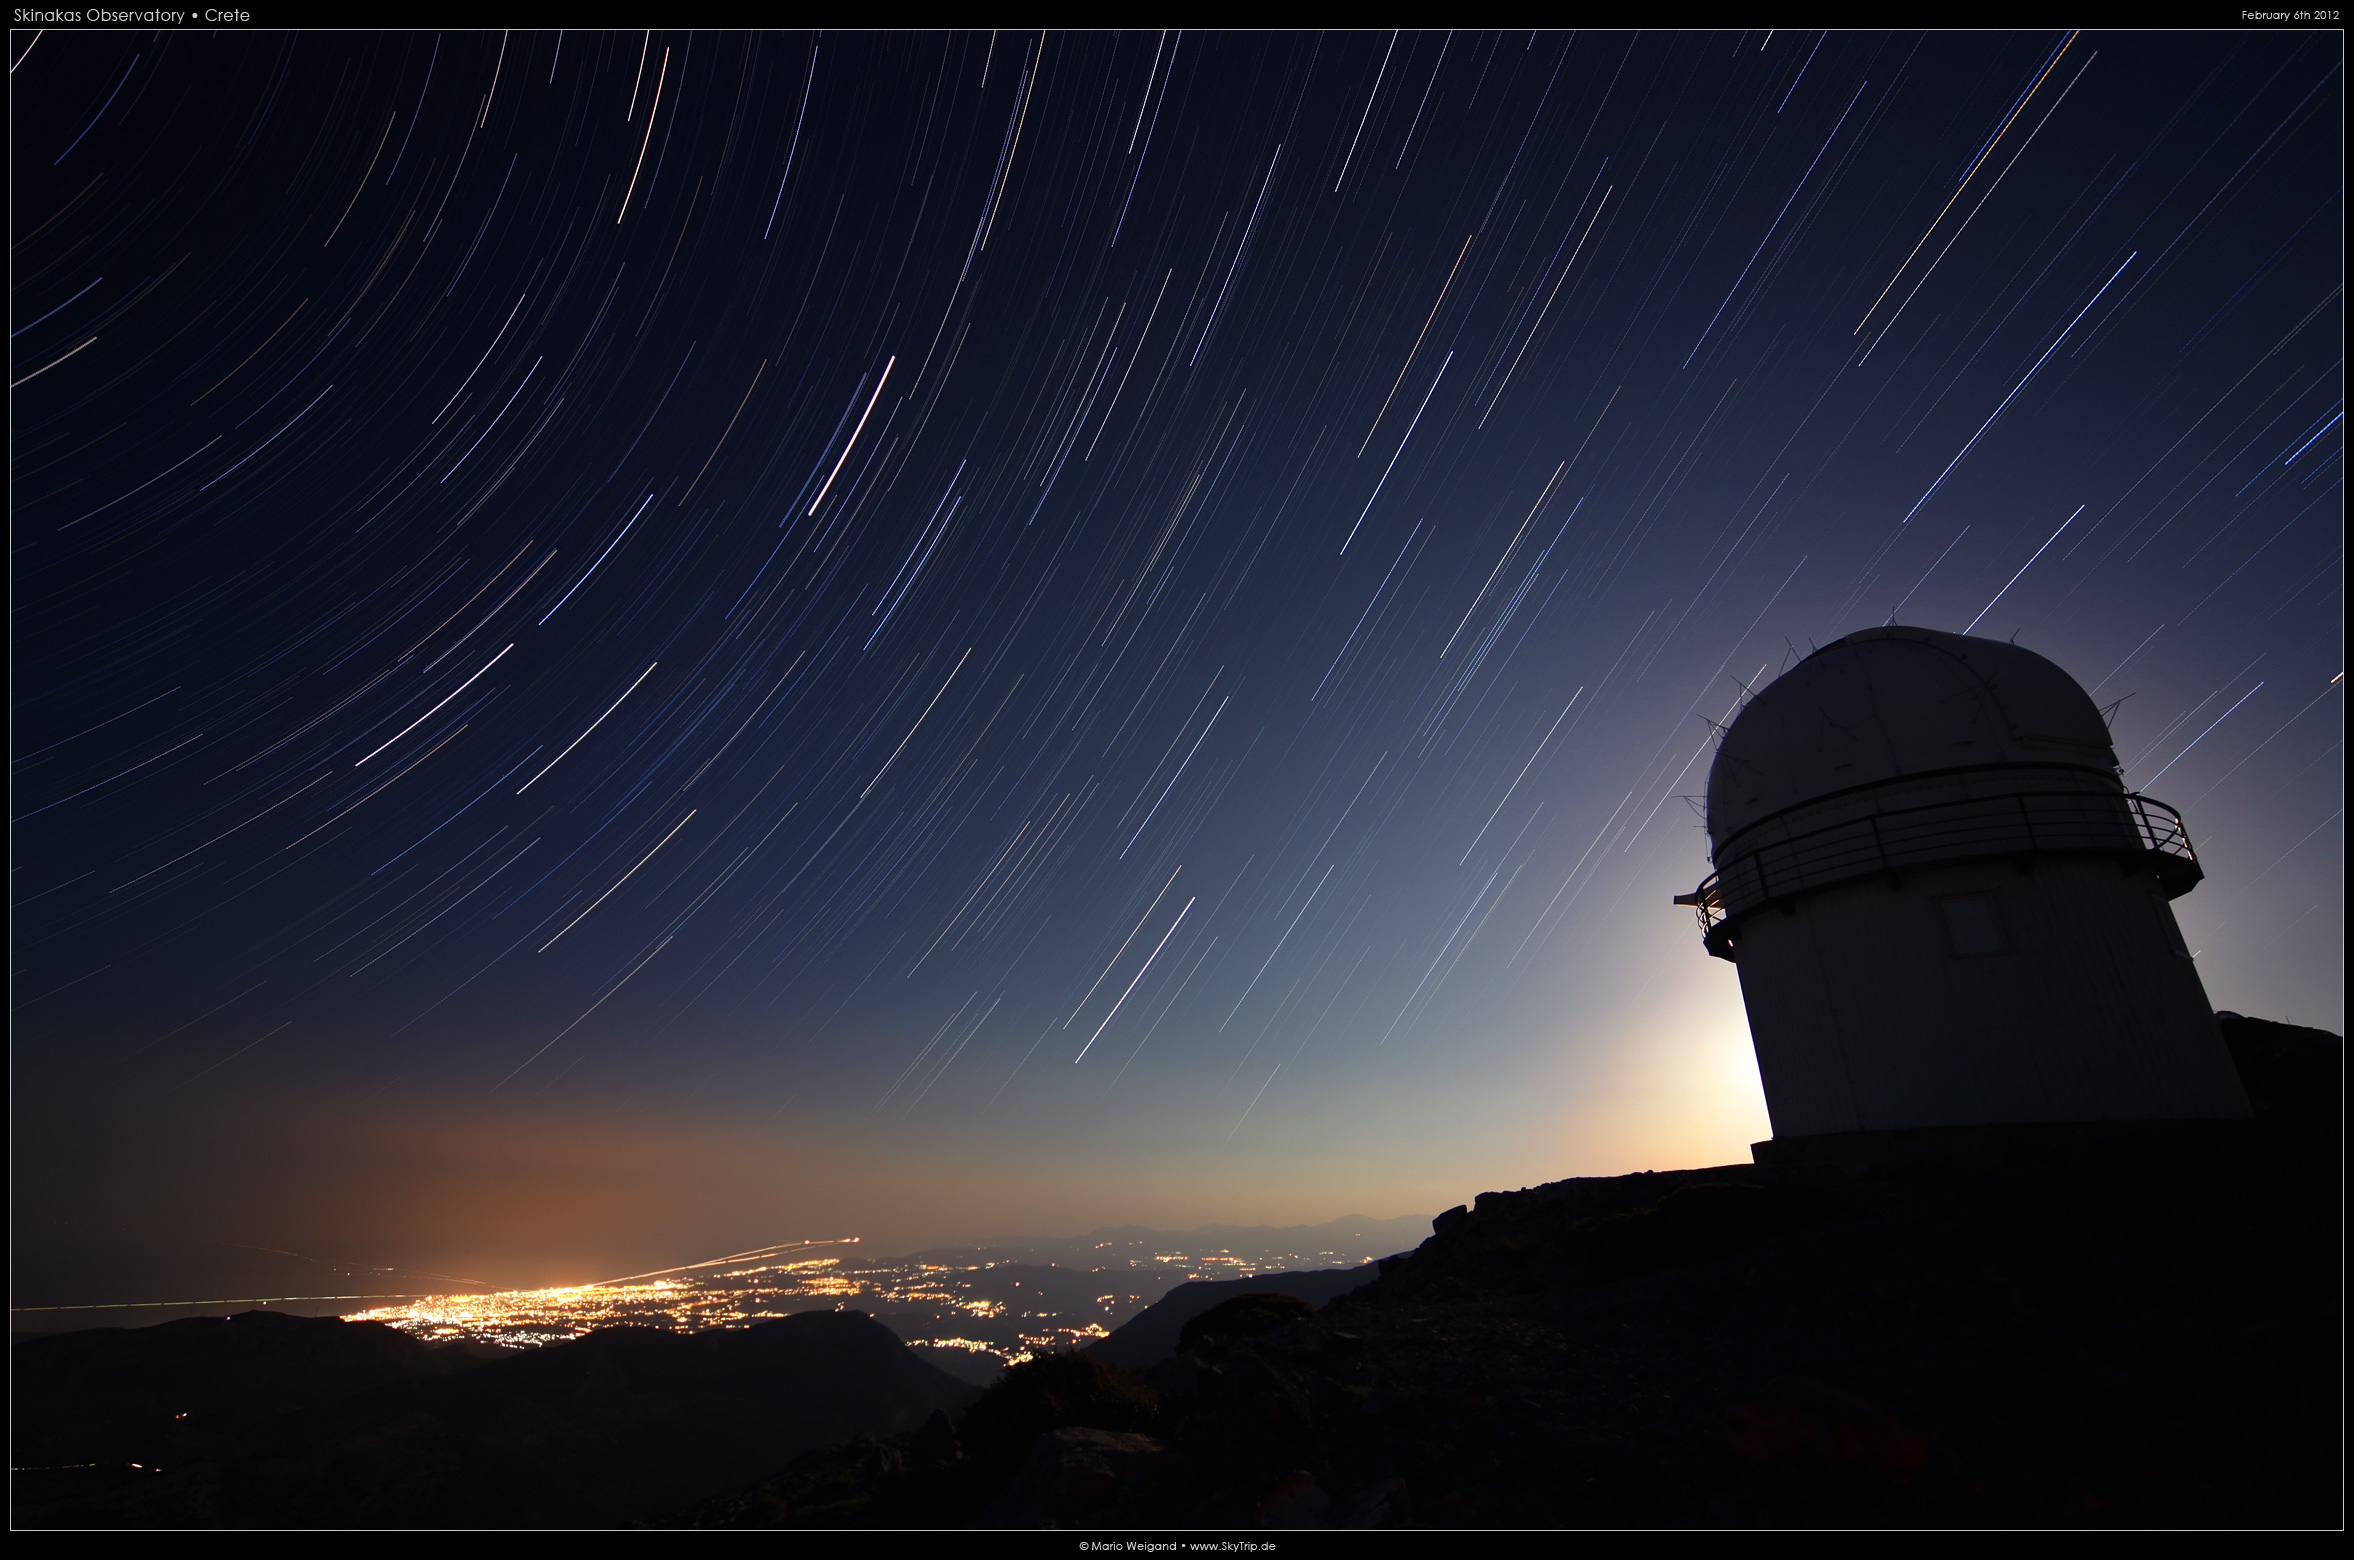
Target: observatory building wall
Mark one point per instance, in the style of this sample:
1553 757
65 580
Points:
2064 993
1946 908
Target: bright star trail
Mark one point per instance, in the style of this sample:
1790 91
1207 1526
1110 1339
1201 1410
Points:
611 629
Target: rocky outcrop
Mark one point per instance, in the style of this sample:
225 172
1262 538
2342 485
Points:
1082 1478
1152 1334
2134 1326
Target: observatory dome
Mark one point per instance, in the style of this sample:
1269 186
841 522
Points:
1899 703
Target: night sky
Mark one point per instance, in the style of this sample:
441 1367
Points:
633 645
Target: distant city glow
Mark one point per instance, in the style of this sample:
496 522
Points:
929 1303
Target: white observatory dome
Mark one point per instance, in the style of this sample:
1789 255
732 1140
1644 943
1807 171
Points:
1899 703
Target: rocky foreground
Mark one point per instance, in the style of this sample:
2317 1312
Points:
2024 1333
2132 1325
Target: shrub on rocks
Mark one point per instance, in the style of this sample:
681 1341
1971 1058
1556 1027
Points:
1245 1316
1052 1392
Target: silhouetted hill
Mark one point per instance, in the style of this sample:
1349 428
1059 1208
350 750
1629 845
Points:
146 1394
270 1421
2288 1069
1151 1336
2119 1324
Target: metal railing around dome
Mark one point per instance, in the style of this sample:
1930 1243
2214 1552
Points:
2129 828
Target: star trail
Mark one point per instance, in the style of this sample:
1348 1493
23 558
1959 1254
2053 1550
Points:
625 631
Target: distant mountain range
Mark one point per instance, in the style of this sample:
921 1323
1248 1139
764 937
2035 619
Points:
1338 1242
